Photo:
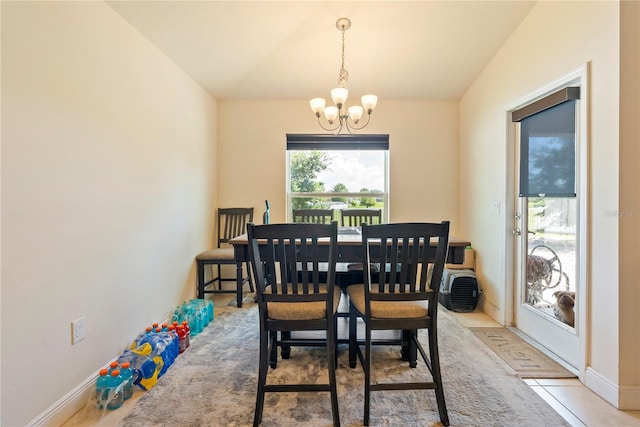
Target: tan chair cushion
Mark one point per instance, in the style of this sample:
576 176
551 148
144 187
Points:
225 254
302 310
387 309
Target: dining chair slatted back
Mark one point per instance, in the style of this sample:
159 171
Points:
313 216
355 217
293 295
231 222
400 293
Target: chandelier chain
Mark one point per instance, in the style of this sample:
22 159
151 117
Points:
343 75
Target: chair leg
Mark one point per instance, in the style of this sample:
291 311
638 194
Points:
335 339
273 352
353 335
251 288
238 284
437 378
219 276
412 350
367 375
404 349
200 284
331 359
262 376
285 350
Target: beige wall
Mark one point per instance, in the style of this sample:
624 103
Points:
107 193
629 176
423 155
575 33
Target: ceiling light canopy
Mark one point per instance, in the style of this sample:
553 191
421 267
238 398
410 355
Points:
338 117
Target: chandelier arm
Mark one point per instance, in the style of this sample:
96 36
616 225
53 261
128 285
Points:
353 127
338 126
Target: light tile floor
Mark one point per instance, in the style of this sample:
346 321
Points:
569 397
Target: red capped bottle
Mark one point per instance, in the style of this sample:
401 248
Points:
187 331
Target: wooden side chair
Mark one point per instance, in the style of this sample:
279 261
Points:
232 222
291 296
355 217
313 216
403 296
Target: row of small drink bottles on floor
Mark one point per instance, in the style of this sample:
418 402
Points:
151 353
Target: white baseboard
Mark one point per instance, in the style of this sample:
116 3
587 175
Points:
602 386
490 310
68 405
624 398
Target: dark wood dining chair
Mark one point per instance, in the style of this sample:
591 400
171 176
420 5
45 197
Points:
292 297
402 296
313 216
355 217
232 222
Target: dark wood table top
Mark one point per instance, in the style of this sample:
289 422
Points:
349 242
352 238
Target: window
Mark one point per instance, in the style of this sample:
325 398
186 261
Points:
337 172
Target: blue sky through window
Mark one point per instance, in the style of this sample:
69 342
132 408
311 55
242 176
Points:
356 169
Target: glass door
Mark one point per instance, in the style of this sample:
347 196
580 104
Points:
547 223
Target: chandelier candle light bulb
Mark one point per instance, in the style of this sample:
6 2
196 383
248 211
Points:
347 118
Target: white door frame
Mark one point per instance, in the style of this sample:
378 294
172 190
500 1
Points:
582 170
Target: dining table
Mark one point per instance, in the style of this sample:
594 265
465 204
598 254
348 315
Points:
350 252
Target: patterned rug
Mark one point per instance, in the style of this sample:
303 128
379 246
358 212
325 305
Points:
214 384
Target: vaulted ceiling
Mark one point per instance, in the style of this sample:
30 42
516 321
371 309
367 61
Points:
292 49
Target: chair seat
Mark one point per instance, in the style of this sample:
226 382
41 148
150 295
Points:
224 254
302 310
387 309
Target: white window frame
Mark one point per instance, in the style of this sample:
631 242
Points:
337 143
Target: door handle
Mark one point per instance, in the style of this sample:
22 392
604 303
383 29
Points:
517 231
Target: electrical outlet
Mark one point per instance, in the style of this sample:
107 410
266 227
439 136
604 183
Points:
78 330
495 207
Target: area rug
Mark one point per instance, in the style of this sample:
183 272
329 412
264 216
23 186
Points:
526 360
214 384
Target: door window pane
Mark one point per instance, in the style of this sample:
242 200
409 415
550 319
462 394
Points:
551 273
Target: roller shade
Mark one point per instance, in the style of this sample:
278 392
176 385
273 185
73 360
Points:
548 145
337 142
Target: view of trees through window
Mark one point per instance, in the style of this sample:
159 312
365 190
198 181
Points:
337 179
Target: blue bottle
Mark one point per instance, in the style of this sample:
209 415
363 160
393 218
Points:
200 315
175 340
210 309
102 389
192 318
127 377
116 390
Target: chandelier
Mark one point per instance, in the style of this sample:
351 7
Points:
338 116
